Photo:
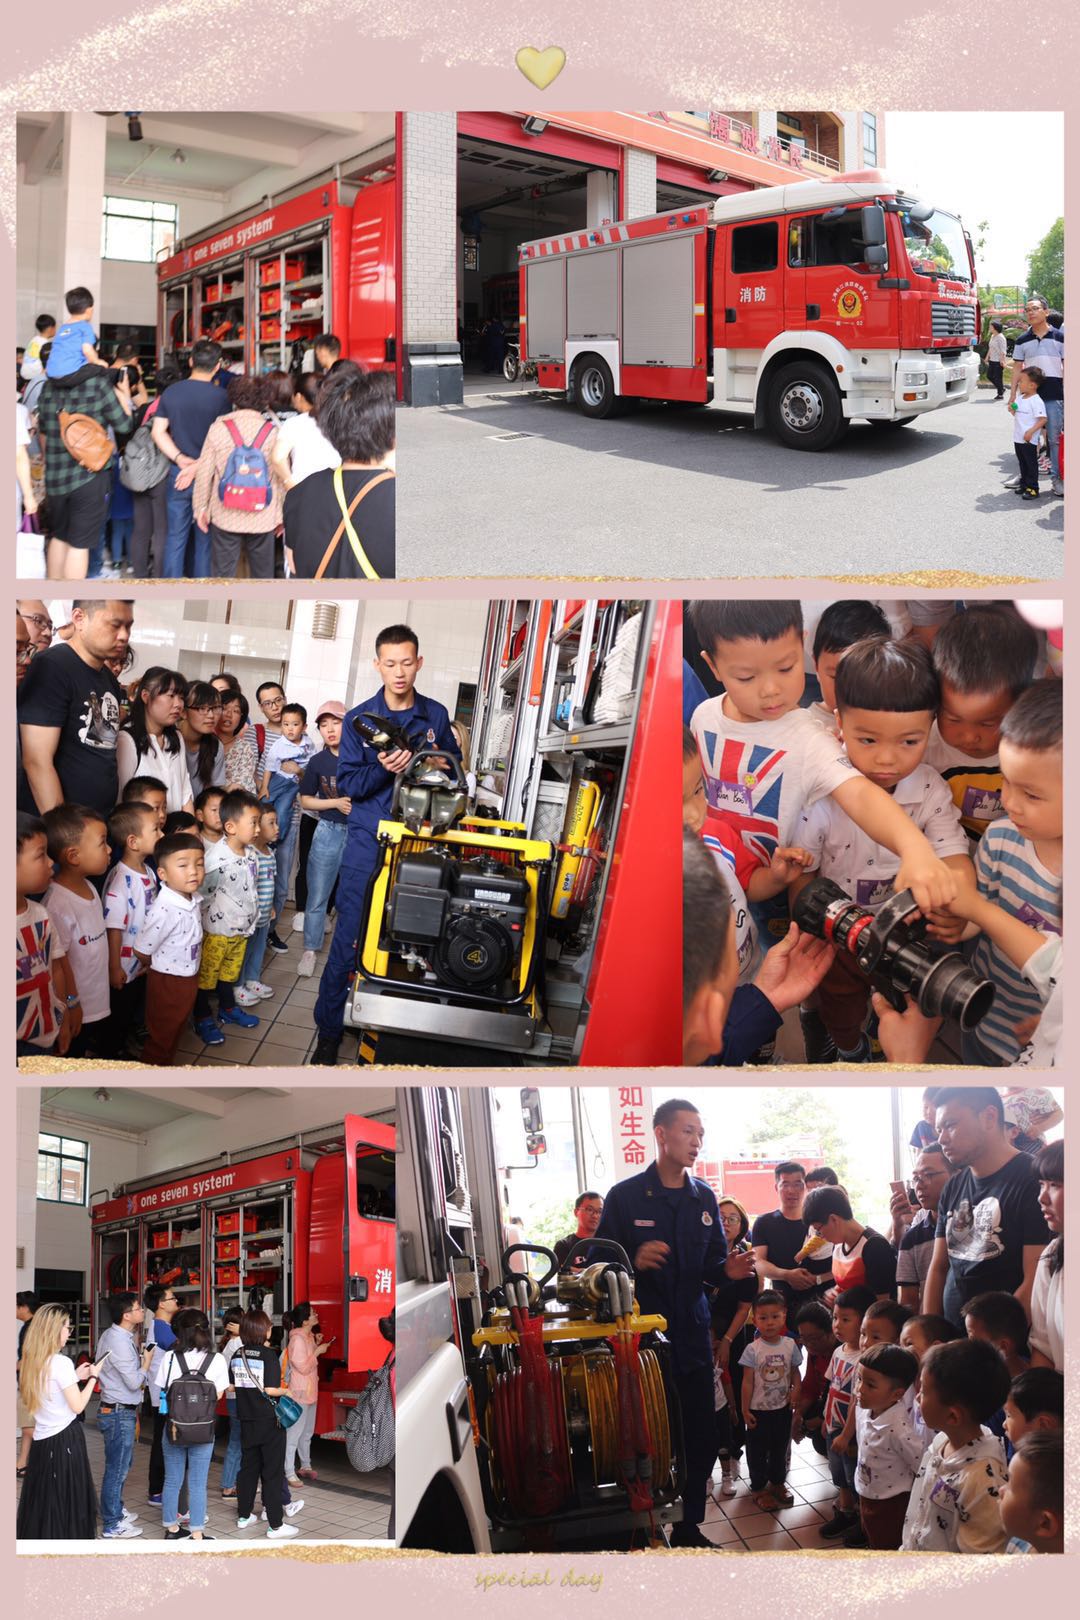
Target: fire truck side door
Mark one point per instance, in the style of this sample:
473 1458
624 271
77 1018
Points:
842 291
369 1236
751 311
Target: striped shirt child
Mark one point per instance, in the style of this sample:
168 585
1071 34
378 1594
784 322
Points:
267 876
1011 876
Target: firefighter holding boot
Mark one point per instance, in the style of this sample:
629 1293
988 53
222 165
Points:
366 775
669 1224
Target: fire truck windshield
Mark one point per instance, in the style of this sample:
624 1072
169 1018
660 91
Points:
936 246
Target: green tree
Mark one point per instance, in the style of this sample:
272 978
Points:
792 1114
1046 266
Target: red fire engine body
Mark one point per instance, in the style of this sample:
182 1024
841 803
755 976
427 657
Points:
313 1221
317 260
802 306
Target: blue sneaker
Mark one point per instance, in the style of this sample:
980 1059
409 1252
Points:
207 1031
237 1015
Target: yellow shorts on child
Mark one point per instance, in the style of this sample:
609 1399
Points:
222 958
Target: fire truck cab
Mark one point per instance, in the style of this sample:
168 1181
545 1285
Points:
802 306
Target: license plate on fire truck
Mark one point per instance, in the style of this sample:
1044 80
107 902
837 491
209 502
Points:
954 373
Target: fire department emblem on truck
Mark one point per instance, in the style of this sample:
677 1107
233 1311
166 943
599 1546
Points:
850 298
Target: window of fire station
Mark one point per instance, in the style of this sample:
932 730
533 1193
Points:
754 248
62 1169
815 241
137 230
374 1184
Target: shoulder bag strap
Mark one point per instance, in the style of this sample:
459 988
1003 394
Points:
255 1381
346 523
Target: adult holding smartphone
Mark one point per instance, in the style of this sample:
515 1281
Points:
58 1501
304 1356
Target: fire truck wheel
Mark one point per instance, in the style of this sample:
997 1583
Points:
594 387
804 408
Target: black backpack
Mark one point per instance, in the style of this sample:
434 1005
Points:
191 1406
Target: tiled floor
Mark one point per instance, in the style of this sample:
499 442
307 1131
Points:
738 1525
285 1033
341 1505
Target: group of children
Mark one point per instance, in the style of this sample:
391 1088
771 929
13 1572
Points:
129 926
932 762
936 1441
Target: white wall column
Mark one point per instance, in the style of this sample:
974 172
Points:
80 204
27 1120
429 252
639 183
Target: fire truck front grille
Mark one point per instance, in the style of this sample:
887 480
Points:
952 320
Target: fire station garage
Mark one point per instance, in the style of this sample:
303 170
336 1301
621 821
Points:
261 230
138 1207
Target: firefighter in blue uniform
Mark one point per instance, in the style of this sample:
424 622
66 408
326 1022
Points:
669 1224
367 778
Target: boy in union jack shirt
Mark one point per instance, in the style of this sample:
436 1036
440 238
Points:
766 760
39 998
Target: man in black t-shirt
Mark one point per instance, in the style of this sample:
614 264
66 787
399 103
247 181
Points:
778 1237
588 1208
69 713
184 417
990 1229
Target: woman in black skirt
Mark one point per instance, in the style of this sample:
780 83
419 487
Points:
58 1501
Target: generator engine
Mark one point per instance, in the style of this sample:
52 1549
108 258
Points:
462 920
575 1402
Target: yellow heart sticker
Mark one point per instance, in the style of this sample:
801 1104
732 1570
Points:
541 68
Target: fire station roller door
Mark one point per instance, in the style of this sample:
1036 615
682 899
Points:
658 303
546 294
592 295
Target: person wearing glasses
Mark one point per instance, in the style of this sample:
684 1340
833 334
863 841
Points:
916 1246
38 623
197 727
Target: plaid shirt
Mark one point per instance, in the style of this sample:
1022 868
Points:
93 397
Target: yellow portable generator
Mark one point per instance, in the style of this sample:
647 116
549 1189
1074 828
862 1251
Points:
578 1420
452 945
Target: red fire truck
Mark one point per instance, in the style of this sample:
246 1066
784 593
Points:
265 283
307 1219
802 306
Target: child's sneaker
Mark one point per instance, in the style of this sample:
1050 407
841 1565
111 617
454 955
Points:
207 1031
282 1533
242 1524
783 1495
275 943
237 1015
262 991
727 1486
1029 494
244 996
293 1507
840 1523
856 1536
306 965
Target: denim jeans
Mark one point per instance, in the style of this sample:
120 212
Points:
117 1430
1055 422
283 855
230 1468
253 959
324 862
179 521
196 1459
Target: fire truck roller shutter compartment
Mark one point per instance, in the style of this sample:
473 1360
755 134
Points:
547 310
658 300
231 1200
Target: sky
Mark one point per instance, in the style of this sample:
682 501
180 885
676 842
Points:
1007 168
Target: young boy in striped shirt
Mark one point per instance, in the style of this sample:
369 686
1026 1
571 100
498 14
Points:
1018 867
251 988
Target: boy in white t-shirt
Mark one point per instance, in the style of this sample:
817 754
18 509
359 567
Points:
765 759
130 889
79 844
887 697
40 983
890 1447
1029 419
169 945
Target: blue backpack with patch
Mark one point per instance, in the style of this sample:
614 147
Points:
246 485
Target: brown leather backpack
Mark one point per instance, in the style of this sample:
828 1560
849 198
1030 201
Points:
85 440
